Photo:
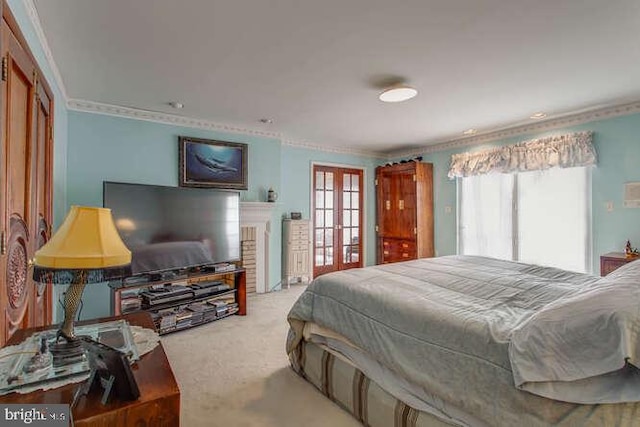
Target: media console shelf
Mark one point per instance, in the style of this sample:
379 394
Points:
197 298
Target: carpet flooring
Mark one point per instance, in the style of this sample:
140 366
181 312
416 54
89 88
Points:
235 373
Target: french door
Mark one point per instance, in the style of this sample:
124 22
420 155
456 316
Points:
337 218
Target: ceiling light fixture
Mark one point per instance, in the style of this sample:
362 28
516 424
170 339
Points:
398 93
266 121
470 131
537 116
176 105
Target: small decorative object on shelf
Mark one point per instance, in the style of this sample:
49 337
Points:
272 196
630 252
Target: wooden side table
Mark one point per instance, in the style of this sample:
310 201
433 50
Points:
158 404
613 260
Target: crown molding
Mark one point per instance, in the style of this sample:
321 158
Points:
172 119
158 117
37 26
335 149
570 119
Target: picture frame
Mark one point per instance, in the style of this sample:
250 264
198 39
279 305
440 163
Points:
208 163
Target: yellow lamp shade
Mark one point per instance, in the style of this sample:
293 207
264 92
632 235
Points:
87 239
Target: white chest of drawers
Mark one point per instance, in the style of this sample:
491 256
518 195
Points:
296 251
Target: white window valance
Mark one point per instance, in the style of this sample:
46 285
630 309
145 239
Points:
570 150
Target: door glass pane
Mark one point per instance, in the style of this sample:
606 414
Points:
328 217
329 181
328 232
319 218
319 238
346 236
319 199
354 253
354 200
346 218
355 183
346 200
319 180
329 256
355 218
346 182
319 257
328 200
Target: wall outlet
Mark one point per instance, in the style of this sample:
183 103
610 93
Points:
609 206
447 209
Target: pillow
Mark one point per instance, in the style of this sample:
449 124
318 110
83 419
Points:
630 270
583 336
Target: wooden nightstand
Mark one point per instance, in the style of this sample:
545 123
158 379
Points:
159 402
613 260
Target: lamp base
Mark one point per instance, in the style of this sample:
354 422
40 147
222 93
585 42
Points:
67 351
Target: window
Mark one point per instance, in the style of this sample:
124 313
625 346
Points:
539 217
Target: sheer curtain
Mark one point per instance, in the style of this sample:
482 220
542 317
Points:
554 218
539 217
485 222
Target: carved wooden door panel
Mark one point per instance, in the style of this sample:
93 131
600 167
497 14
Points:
26 188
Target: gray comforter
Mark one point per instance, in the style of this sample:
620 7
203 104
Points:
446 324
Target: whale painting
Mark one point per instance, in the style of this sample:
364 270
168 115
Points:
215 164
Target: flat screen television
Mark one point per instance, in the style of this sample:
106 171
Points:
175 228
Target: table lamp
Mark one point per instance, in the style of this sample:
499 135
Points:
86 249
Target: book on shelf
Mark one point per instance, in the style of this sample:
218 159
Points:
130 304
226 299
129 293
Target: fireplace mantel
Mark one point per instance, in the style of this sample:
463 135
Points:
255 212
258 215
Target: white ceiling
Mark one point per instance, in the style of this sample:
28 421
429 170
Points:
315 67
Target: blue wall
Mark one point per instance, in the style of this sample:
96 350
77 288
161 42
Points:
107 148
617 142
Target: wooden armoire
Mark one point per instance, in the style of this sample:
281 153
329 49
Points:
26 122
404 211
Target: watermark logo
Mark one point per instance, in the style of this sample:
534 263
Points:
44 415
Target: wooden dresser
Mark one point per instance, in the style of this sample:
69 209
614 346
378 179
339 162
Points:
404 212
613 260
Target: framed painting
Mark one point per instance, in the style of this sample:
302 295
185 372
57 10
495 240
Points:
212 164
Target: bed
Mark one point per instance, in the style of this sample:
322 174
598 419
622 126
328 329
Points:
472 341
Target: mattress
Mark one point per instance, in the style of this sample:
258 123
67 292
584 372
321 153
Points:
445 326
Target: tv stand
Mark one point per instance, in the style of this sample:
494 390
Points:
188 308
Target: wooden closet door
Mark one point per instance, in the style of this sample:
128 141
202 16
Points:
406 205
26 188
41 196
387 200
